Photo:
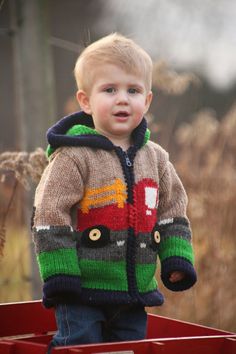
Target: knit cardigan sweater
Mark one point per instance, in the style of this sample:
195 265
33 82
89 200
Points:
102 216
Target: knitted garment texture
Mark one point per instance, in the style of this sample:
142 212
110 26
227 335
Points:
102 216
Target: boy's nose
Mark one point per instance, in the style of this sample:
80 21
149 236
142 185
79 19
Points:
122 98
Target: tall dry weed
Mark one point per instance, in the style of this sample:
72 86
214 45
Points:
24 167
171 82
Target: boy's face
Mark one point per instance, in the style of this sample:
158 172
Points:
117 102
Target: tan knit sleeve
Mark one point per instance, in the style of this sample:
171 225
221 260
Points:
61 187
172 196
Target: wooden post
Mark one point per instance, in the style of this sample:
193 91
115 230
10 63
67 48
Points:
33 70
34 88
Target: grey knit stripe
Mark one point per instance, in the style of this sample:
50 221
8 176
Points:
181 231
144 251
62 237
116 249
53 238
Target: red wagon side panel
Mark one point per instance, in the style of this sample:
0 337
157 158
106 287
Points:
26 328
163 327
25 317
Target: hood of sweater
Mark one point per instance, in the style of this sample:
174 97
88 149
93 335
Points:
78 129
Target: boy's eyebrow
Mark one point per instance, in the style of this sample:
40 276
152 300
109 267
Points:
108 84
136 85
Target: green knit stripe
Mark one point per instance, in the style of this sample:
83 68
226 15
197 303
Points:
61 261
103 275
112 275
145 275
49 150
176 247
79 129
146 136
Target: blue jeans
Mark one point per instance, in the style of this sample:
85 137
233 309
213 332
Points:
82 324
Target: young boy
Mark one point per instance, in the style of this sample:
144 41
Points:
108 204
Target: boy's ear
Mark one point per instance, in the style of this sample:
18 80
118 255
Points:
83 100
148 101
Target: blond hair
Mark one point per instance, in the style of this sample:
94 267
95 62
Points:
112 49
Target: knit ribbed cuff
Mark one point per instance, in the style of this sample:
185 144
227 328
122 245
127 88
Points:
60 289
173 264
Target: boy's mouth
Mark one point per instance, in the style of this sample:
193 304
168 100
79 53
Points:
122 114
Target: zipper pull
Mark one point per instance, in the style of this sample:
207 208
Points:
128 162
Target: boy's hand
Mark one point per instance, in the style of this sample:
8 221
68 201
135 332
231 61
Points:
176 276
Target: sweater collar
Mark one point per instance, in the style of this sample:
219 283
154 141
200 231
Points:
78 129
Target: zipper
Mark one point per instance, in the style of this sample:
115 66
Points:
127 160
127 166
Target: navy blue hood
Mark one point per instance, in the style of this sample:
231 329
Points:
78 129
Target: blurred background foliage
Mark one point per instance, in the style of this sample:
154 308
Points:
193 116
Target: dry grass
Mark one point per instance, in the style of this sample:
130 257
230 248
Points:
207 165
25 166
169 81
15 267
22 168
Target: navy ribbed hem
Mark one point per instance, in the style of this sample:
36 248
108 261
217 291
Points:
173 264
102 297
60 287
153 298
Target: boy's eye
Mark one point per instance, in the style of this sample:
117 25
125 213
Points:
110 90
132 90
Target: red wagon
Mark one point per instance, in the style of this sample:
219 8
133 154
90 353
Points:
27 328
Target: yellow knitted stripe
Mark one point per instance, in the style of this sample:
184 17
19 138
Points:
95 197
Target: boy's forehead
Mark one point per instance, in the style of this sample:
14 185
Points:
116 73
